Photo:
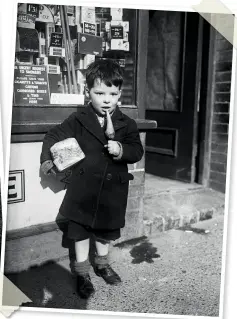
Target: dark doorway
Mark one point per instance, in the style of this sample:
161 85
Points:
172 94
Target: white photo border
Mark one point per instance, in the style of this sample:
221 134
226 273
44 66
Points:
6 127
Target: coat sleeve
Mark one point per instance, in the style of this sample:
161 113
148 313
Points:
58 133
132 150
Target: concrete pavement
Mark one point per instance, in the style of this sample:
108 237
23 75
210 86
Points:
167 205
171 272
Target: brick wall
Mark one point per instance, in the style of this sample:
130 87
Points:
220 117
135 206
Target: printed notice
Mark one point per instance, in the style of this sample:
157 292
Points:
116 32
56 40
33 9
31 85
89 28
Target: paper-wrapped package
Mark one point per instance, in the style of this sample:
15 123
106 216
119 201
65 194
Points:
66 153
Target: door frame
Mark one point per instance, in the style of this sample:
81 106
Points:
207 97
142 47
203 101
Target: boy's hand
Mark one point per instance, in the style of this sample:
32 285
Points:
47 168
113 148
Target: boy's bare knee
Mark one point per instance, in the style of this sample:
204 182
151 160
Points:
102 241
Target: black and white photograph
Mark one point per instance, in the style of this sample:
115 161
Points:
118 160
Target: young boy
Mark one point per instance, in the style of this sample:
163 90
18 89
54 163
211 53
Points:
96 197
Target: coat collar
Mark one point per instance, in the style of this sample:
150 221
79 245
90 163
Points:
88 119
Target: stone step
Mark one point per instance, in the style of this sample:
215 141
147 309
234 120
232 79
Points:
155 185
172 209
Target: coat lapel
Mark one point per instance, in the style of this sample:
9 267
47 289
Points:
88 119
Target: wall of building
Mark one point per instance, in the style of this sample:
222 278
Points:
220 116
43 195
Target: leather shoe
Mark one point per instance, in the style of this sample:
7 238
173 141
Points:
108 274
84 286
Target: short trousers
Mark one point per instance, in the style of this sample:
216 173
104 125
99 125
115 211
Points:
80 232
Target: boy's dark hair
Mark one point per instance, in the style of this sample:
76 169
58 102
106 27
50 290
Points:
107 71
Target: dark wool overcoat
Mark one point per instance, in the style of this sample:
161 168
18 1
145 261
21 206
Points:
98 186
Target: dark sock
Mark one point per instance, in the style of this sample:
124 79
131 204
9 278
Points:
101 261
80 268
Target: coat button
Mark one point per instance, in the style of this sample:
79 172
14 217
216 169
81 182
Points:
109 177
81 171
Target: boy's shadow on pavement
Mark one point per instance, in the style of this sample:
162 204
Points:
48 285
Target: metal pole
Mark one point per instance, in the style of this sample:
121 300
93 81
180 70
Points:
74 81
66 49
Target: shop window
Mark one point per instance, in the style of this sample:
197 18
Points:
45 91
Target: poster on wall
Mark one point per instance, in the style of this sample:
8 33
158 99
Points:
31 86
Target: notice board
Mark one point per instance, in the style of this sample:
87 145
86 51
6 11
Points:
31 85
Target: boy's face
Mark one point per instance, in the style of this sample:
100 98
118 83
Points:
104 97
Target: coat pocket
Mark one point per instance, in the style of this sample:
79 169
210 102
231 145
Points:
125 177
